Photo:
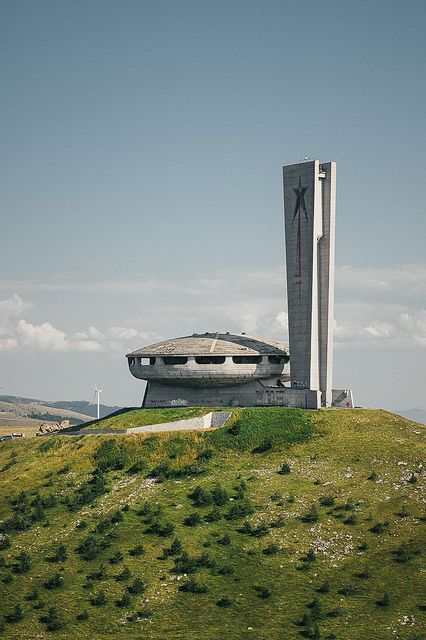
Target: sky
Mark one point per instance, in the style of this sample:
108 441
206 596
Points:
141 170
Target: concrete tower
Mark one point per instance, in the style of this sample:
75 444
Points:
309 209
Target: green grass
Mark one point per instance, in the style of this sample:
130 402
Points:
128 418
263 569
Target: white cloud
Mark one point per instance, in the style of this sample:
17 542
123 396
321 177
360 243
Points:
20 334
374 306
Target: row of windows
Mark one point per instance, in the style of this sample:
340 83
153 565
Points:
173 360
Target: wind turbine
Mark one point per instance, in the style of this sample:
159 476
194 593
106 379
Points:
96 398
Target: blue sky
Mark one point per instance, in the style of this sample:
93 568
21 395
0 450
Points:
142 145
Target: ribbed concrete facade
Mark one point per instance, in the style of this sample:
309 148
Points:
309 206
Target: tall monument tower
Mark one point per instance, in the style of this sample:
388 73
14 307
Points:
309 210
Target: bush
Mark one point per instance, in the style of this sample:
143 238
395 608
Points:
285 469
213 516
84 615
4 542
225 540
373 476
16 615
384 601
379 527
239 509
412 479
52 620
117 557
110 457
266 445
54 582
220 495
327 501
124 601
23 563
224 603
262 591
226 570
271 549
351 520
33 595
160 528
200 497
137 550
137 467
99 599
312 515
193 520
404 553
192 586
137 587
60 553
124 575
92 546
324 587
99 574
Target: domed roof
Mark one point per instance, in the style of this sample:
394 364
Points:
220 344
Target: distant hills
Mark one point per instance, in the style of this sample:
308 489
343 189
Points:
16 411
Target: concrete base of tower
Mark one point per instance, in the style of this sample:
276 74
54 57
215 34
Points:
342 398
252 394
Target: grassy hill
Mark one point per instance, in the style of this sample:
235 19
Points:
281 525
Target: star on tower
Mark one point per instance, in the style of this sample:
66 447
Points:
300 202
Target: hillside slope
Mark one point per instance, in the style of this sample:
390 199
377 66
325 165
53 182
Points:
283 524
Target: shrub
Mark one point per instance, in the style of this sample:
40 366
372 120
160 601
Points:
192 520
279 522
117 557
384 601
84 615
213 516
262 591
312 515
137 587
52 620
110 457
137 550
351 520
404 553
16 615
23 563
285 469
324 587
54 582
137 467
92 546
160 528
311 556
224 603
220 495
99 574
265 445
379 527
99 599
124 601
239 509
192 586
327 501
226 570
4 542
373 476
412 479
225 540
271 549
404 513
60 553
200 497
33 595
124 575
316 609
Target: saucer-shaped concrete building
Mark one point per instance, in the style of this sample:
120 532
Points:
212 369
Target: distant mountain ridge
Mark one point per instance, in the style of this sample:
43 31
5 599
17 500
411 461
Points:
75 406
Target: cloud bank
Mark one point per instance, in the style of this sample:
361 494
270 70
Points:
374 306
